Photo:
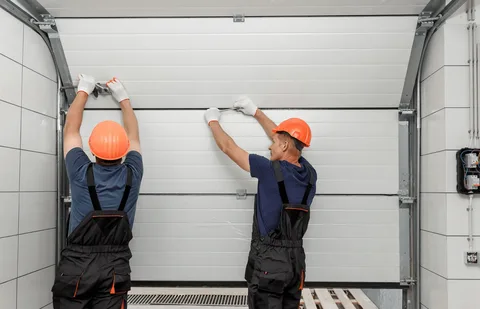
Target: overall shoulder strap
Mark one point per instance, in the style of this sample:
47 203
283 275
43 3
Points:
280 181
128 186
91 188
311 180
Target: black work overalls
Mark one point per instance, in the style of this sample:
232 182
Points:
275 271
94 270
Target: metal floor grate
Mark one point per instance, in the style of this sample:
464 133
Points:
188 299
311 299
141 299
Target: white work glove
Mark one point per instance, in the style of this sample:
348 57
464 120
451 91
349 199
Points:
118 90
212 114
246 106
86 83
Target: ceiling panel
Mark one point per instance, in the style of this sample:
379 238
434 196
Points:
165 8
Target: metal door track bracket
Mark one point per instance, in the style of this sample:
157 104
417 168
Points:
47 24
238 18
408 282
241 194
407 199
67 199
406 112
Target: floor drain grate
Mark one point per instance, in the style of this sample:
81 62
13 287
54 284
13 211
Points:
189 299
141 299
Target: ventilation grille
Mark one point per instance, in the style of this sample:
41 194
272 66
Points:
193 299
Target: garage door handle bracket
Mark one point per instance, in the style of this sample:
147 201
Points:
238 18
241 194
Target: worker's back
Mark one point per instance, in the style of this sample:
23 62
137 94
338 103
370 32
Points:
110 184
269 201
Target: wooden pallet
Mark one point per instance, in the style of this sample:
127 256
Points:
335 298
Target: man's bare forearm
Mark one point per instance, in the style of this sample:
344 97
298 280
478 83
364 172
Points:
130 120
267 124
75 112
223 140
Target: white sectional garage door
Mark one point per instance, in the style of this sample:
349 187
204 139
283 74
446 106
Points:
342 75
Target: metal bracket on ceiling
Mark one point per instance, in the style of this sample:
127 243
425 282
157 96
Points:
238 18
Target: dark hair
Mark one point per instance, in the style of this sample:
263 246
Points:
298 144
108 162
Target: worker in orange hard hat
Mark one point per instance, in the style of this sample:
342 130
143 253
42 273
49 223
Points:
275 270
94 269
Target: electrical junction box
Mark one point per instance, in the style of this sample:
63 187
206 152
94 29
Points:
468 171
471 258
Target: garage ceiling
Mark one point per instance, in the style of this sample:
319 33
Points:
164 8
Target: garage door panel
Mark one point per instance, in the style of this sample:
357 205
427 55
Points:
366 173
229 273
243 73
262 100
258 87
309 68
222 259
260 145
356 117
179 202
217 58
228 186
237 41
251 130
348 233
234 216
232 230
291 25
343 158
242 244
220 173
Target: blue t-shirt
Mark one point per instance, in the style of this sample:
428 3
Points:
110 183
269 201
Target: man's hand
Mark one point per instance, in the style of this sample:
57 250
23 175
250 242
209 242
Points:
118 90
246 106
86 83
212 114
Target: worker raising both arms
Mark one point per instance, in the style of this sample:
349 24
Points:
275 270
94 269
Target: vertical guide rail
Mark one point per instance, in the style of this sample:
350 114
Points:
35 16
432 17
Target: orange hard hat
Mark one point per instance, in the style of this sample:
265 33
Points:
296 128
109 141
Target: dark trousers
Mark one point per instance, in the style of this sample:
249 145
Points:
92 281
275 277
264 296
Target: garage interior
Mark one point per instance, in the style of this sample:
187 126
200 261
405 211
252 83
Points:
358 71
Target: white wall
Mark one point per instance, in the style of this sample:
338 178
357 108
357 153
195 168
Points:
446 281
27 167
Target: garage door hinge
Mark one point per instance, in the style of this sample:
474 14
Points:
241 194
67 199
408 282
238 18
47 24
406 111
407 199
